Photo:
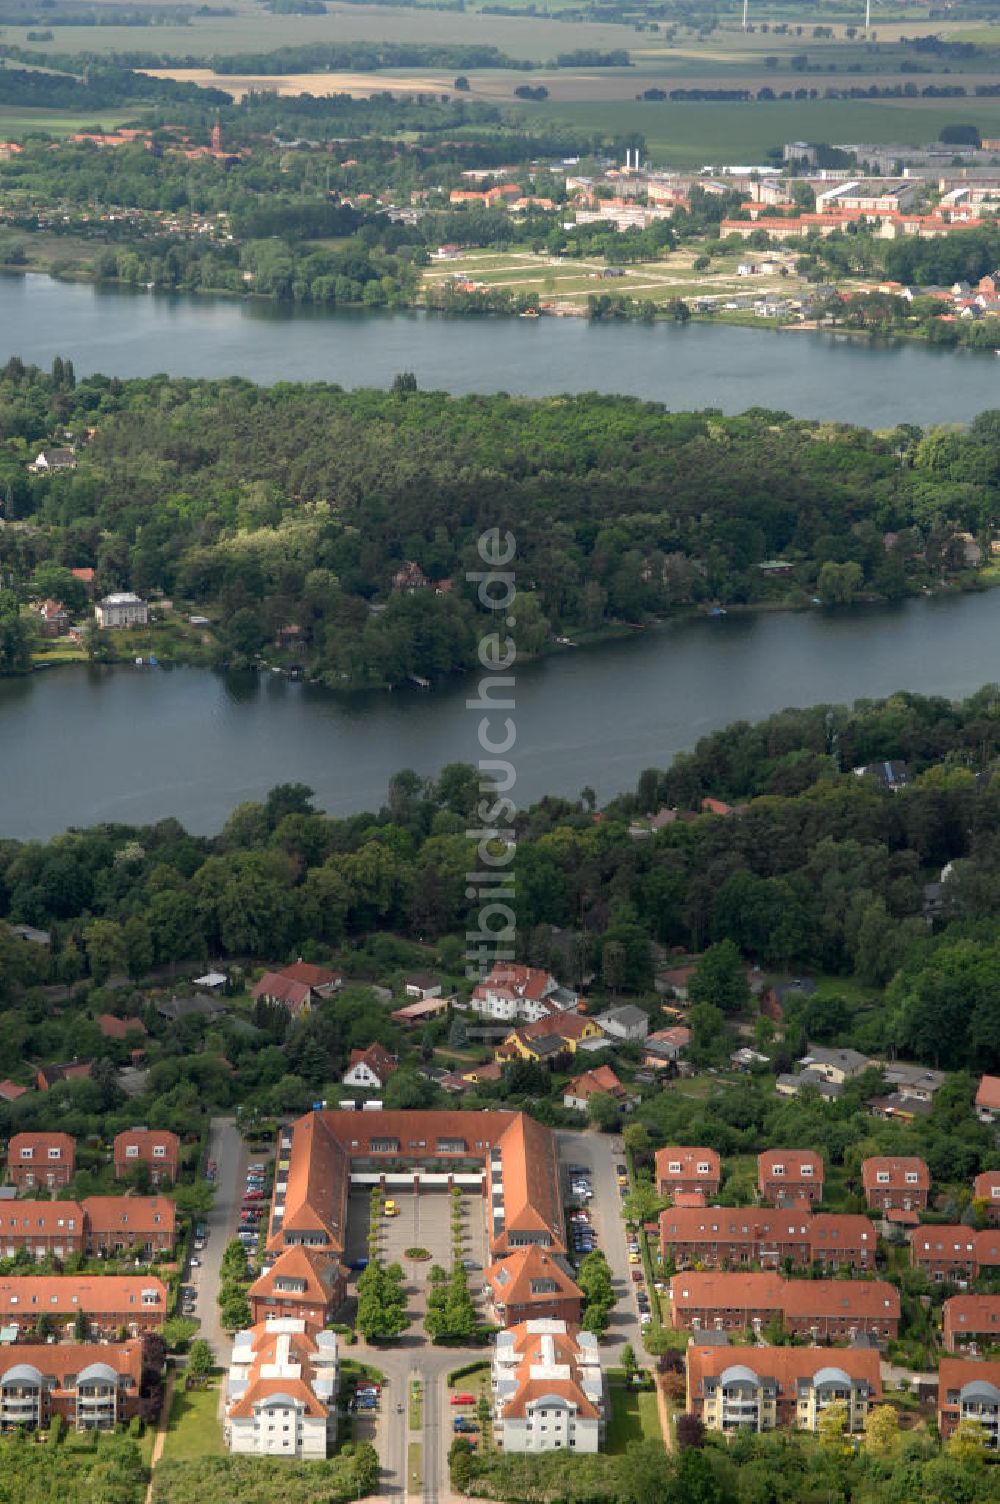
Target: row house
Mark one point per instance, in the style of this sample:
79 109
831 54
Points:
41 1159
767 1388
140 1225
986 1190
548 1389
722 1237
44 1229
825 1310
947 1251
894 1183
91 1387
531 1283
144 1225
687 1171
302 1283
108 1303
969 1391
970 1318
157 1148
790 1176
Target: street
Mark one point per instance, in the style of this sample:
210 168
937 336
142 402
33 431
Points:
226 1147
597 1152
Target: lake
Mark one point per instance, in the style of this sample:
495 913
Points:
810 374
81 745
84 745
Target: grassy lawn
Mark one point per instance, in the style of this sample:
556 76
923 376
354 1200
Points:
416 1405
634 1417
18 120
194 1429
415 1467
59 652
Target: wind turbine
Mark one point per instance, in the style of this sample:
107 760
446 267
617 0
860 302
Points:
746 14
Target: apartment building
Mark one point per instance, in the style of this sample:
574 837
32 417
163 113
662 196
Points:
93 1387
41 1159
969 1390
683 1171
743 1235
109 1303
548 1389
895 1183
970 1318
524 993
825 1310
281 1392
767 1388
155 1147
790 1176
531 1283
508 1157
944 1252
304 1284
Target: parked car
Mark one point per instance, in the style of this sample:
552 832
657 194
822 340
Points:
358 1264
637 1276
390 1209
463 1399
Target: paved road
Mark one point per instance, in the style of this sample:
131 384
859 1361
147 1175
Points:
597 1152
226 1147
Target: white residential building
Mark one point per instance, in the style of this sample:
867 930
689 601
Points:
523 994
548 1388
124 609
281 1396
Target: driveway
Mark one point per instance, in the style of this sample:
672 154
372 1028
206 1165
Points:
226 1147
597 1152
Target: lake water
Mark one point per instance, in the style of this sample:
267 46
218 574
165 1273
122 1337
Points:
126 333
81 745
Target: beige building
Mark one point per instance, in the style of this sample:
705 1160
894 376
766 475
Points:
764 1388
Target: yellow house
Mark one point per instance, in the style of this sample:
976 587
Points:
558 1034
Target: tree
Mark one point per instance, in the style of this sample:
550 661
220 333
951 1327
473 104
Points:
720 979
690 1431
832 1424
967 1444
201 1358
627 1360
604 1112
106 950
882 1430
635 1137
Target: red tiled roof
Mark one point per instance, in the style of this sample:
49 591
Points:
898 1166
133 1214
786 1364
10 1091
30 1296
311 976
600 1081
955 1373
40 1144
796 1298
986 1187
273 984
988 1094
119 1028
47 1218
690 1159
511 1279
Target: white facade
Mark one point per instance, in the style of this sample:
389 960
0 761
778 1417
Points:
548 1389
282 1392
124 609
361 1074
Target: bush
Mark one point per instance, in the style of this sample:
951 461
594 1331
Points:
466 1372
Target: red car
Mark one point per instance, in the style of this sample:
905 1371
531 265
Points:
637 1276
463 1399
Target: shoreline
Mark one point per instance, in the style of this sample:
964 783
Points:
739 319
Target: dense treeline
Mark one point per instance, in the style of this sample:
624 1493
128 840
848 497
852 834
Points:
823 870
366 57
105 86
299 505
744 1468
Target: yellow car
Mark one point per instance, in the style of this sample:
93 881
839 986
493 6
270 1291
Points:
623 1180
390 1209
634 1258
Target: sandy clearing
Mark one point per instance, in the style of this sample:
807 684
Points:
322 85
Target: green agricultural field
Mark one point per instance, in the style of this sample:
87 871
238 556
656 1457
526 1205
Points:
18 121
690 135
251 29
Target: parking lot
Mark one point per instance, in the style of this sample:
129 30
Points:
599 1157
423 1221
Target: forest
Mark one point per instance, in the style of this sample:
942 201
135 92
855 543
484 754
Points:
300 506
